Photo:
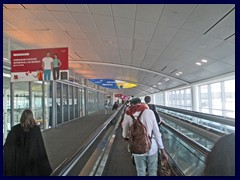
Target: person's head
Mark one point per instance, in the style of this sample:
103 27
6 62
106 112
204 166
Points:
135 101
221 160
55 55
147 99
48 54
27 120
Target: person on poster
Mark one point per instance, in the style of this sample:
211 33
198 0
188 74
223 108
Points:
56 64
47 64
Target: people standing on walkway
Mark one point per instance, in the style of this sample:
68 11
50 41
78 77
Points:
115 106
147 100
106 107
147 161
24 153
47 64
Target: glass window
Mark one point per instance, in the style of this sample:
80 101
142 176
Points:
21 99
83 102
204 96
37 105
159 98
80 102
48 104
229 90
59 103
6 106
216 97
65 102
76 102
70 96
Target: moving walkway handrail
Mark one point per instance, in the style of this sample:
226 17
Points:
200 148
65 167
193 127
215 118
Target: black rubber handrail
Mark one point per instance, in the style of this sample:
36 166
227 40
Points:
65 167
210 117
191 123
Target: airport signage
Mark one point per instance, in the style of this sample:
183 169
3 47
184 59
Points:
39 64
112 84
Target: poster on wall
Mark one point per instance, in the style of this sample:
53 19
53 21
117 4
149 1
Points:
112 84
39 64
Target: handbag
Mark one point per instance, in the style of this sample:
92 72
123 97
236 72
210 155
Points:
165 169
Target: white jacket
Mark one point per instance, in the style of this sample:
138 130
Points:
148 119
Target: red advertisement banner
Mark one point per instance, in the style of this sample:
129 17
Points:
39 64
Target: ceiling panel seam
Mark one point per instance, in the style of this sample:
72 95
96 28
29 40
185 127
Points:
153 34
175 34
224 16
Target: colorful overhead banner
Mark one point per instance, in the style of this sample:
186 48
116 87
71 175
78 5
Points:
39 64
112 84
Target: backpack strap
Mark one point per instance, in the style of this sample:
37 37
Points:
138 118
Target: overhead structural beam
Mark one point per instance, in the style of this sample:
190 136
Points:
130 67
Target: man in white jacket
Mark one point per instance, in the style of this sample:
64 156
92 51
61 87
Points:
149 160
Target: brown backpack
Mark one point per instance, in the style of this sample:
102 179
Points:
139 141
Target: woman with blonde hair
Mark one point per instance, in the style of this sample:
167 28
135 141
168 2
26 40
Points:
24 151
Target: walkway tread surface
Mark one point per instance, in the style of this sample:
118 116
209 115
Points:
119 162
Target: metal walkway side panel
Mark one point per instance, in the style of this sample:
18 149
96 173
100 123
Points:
62 141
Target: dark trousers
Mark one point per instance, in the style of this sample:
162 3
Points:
55 73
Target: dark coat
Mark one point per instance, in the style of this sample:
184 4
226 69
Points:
153 108
25 154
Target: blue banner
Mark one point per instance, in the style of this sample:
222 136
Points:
107 83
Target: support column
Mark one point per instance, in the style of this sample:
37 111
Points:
12 104
54 104
43 104
30 96
98 99
85 97
154 100
164 98
195 102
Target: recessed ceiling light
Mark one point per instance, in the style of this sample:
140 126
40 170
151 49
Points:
204 60
159 83
180 72
198 63
177 74
109 42
154 86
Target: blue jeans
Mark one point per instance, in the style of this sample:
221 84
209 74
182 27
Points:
47 74
148 163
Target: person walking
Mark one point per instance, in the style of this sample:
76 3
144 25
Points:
147 100
24 153
106 107
147 161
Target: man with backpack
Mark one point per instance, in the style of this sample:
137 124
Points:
147 100
141 129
